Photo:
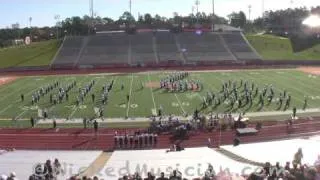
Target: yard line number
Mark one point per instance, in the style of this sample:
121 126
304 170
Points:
176 104
132 106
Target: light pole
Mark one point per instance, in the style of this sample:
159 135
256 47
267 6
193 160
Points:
249 7
30 20
212 15
193 10
197 4
192 14
262 13
262 8
292 18
57 18
130 6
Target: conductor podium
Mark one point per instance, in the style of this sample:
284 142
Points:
246 131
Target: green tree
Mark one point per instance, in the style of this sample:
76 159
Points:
126 17
148 19
237 19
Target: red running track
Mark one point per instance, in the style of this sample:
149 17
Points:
84 139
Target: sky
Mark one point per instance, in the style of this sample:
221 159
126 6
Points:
44 11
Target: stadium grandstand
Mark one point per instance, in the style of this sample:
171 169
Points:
156 46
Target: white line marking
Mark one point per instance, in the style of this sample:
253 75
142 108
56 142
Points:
128 107
73 111
21 114
179 103
151 89
3 110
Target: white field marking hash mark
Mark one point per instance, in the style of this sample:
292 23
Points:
151 89
128 106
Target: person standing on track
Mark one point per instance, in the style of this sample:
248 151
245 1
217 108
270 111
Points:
305 103
32 122
54 124
95 126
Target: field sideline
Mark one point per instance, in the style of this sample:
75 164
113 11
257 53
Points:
145 101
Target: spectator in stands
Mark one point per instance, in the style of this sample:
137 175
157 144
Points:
12 176
317 166
48 170
150 176
3 177
175 176
287 166
57 167
162 177
273 175
137 176
298 156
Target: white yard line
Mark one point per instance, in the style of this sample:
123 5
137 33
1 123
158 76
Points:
179 103
151 89
22 113
73 111
128 108
3 110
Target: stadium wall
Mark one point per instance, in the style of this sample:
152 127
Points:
174 65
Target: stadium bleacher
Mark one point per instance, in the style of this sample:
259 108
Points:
105 49
142 48
203 47
167 49
69 51
153 48
239 46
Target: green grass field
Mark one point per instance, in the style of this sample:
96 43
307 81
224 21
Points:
143 102
36 54
278 48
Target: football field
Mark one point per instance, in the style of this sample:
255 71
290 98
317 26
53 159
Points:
145 97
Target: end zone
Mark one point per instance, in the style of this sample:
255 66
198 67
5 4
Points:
7 79
310 70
